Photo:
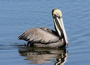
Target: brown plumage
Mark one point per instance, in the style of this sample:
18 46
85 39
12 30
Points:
45 37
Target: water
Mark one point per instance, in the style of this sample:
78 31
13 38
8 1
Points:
16 16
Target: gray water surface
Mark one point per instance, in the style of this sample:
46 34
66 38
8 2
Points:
17 16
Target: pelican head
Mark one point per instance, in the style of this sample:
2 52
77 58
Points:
59 25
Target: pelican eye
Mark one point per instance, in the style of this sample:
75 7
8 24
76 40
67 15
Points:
58 16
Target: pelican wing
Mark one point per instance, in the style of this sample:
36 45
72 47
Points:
42 35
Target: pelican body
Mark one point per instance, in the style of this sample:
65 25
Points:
45 37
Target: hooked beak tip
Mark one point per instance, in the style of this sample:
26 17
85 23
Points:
67 44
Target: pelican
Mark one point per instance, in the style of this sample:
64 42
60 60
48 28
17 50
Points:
45 37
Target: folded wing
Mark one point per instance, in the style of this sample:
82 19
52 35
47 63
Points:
42 35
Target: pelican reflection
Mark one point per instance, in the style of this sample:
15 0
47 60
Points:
44 55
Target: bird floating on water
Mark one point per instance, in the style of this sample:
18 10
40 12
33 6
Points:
45 37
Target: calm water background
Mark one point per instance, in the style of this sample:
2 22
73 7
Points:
16 16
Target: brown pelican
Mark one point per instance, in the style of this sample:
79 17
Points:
45 37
